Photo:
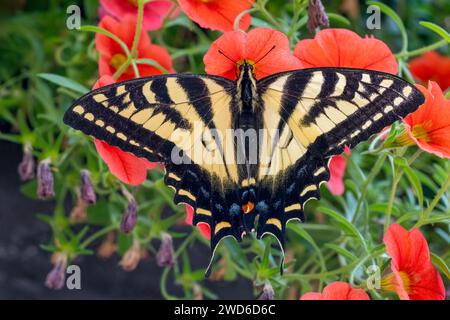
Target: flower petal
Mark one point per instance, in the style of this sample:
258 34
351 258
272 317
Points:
344 48
337 291
434 118
432 66
268 49
217 14
203 227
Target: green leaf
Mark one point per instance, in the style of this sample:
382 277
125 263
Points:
440 263
398 21
108 34
343 223
415 181
338 18
437 29
64 82
342 251
152 63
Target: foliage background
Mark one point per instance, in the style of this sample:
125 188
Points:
334 243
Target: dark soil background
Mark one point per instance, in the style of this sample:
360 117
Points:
24 266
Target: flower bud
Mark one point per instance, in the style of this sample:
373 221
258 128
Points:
129 217
131 258
107 247
45 180
79 213
27 165
166 255
57 276
87 192
317 16
267 293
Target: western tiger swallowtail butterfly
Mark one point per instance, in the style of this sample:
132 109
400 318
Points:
237 151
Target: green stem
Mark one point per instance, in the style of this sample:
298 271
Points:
434 202
394 189
417 52
376 168
261 7
133 53
97 235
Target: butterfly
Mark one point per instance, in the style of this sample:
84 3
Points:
246 155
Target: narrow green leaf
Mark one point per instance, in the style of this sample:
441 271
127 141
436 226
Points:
342 251
440 263
437 29
152 63
415 181
398 21
338 18
345 225
64 82
105 32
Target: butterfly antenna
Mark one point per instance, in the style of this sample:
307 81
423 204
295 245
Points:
222 53
265 55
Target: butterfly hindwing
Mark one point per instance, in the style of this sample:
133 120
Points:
322 110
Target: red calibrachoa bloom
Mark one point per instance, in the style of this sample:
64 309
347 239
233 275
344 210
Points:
337 166
203 227
337 291
429 126
112 55
413 275
154 11
217 14
251 46
125 166
344 48
432 66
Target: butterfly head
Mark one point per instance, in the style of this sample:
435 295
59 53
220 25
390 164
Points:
246 66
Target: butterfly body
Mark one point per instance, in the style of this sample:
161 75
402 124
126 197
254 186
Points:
245 150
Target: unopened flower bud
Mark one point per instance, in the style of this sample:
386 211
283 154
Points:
166 255
57 276
79 212
197 292
87 192
317 17
45 180
108 247
132 256
27 165
267 293
129 217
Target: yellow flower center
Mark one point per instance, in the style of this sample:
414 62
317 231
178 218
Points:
241 62
389 282
117 60
420 131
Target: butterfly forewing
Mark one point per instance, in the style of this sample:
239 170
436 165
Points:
166 119
324 110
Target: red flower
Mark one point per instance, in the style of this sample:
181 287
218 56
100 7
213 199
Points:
154 11
337 166
125 166
337 291
217 14
251 46
344 48
112 55
429 126
203 227
413 275
432 66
